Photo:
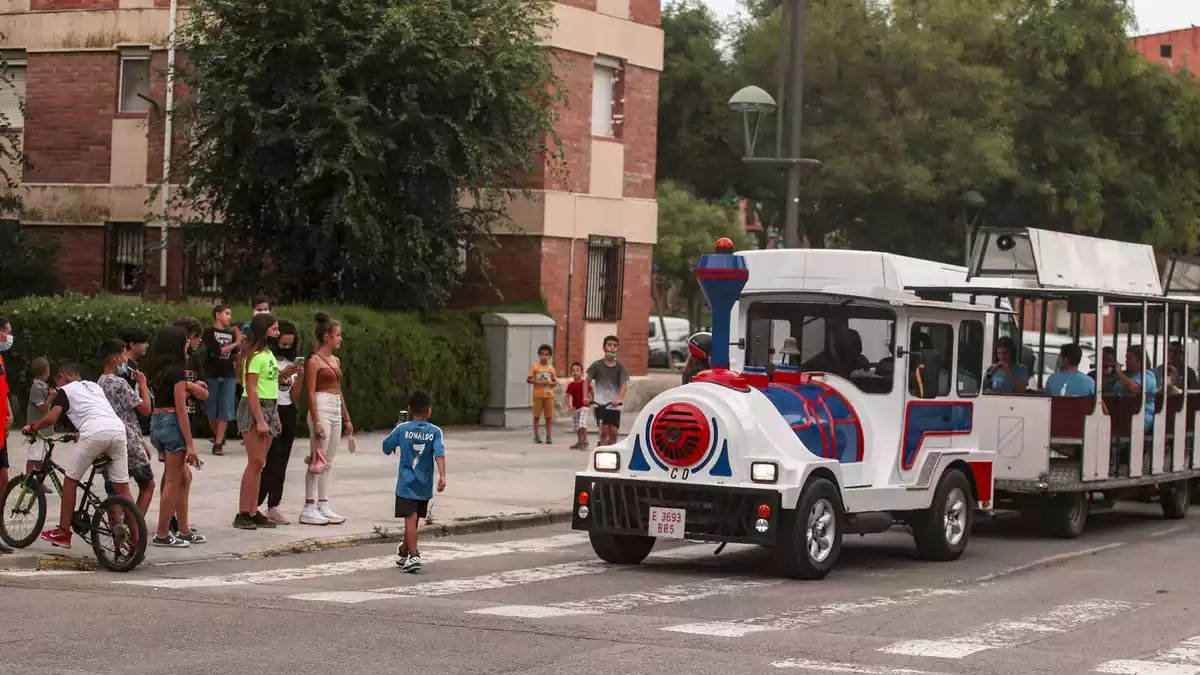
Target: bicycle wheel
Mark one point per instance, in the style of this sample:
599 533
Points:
24 512
119 534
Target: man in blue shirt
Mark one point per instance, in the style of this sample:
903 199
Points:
1136 377
421 446
1006 376
1068 381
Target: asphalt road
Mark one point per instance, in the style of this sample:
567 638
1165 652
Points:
1120 600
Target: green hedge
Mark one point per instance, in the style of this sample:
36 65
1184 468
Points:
384 354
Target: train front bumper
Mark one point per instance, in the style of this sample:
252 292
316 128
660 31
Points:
715 513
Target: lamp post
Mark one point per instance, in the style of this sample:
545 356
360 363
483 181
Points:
970 200
753 104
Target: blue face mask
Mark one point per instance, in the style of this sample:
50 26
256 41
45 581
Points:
7 344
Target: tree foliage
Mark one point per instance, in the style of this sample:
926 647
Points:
354 150
1041 106
29 266
688 227
693 121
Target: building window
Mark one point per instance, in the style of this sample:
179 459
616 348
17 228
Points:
1164 51
126 257
135 81
207 267
604 89
605 278
12 88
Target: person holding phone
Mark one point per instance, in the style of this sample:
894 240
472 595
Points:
291 368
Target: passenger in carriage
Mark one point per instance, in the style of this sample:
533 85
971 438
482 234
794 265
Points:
830 360
1134 378
1172 379
1108 379
1005 376
1068 381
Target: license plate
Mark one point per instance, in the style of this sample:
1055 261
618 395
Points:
666 523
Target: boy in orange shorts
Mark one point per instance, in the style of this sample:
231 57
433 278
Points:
545 383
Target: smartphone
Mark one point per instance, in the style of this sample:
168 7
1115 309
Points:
299 361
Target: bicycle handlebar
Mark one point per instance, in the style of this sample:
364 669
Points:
60 438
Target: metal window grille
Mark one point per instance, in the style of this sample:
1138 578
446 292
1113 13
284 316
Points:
127 258
605 278
207 267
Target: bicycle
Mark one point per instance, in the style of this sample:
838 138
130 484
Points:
95 520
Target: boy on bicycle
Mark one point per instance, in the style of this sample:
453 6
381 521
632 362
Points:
101 433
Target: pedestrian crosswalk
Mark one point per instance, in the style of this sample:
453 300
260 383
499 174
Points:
686 593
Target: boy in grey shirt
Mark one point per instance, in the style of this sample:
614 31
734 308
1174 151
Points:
610 379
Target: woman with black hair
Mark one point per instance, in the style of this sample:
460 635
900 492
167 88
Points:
171 435
257 415
275 470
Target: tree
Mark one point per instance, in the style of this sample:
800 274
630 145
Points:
28 266
694 122
687 228
354 150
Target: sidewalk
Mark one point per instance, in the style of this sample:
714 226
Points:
491 473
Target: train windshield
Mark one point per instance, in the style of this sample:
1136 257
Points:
845 339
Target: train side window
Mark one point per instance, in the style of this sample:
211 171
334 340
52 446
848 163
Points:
970 358
938 337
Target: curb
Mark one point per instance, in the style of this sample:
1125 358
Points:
382 535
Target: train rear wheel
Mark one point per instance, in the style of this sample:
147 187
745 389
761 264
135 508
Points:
1175 499
942 531
1066 515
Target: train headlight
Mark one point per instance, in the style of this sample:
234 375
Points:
606 460
764 472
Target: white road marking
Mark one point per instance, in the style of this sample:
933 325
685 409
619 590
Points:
1169 530
483 582
1182 658
623 602
814 615
431 552
1003 634
853 668
41 573
1048 560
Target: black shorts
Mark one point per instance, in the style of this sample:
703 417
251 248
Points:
143 476
407 507
607 417
3 452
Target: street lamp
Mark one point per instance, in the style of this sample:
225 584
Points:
753 104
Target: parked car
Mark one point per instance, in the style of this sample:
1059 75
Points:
678 331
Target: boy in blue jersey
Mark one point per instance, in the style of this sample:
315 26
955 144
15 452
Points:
1068 381
421 446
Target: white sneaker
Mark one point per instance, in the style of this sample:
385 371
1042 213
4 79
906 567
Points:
324 511
310 516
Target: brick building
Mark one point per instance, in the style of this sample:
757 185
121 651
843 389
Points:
91 74
1174 49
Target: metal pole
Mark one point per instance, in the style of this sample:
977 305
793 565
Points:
795 109
781 78
168 132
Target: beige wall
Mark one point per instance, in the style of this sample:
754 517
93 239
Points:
607 168
56 204
584 32
566 214
593 340
614 8
84 29
130 149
